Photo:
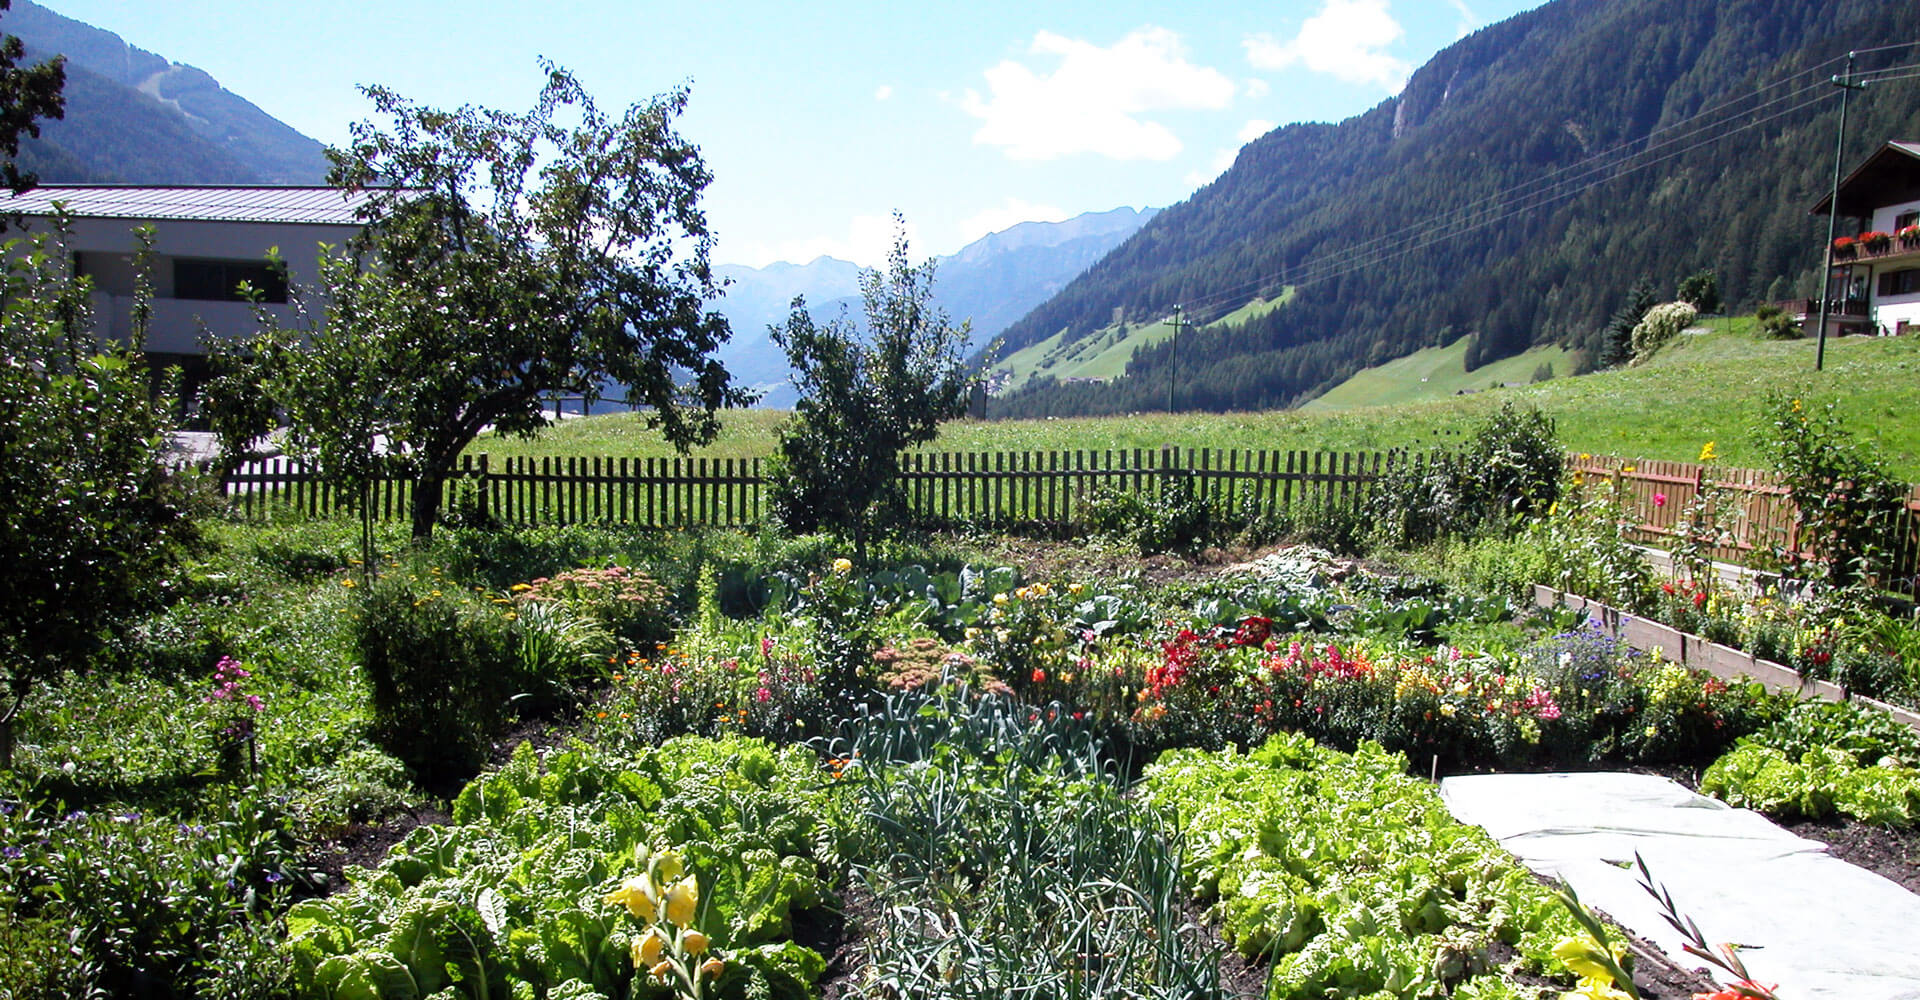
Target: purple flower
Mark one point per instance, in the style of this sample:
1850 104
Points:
11 852
275 878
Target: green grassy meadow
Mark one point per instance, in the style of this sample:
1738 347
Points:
1105 353
1708 386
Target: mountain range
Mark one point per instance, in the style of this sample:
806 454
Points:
990 283
133 117
1516 189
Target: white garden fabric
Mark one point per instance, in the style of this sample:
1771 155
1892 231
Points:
1819 927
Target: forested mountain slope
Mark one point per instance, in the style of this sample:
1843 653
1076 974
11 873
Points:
134 117
1515 190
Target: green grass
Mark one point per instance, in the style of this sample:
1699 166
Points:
1104 353
1706 387
1436 373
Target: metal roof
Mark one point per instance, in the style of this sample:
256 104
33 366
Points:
199 203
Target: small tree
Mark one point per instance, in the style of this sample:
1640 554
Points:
864 400
88 512
1616 346
1702 288
508 257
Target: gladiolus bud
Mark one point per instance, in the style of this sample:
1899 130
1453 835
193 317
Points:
661 970
712 967
682 899
668 866
694 941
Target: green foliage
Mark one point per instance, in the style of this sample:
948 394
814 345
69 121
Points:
1509 471
27 93
511 898
1849 506
1348 875
440 670
1773 323
1078 890
864 397
90 518
507 257
1700 289
147 903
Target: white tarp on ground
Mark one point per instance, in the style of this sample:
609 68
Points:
1819 927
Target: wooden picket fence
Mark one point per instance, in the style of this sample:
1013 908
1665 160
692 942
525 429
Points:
1047 489
1039 488
1764 525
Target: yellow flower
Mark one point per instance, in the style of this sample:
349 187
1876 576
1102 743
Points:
661 970
1000 599
347 584
667 866
682 899
1076 589
1447 709
712 967
648 948
694 941
638 896
1707 453
1627 468
842 566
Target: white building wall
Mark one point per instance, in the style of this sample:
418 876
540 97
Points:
1884 216
109 246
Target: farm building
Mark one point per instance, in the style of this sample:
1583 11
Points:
1875 284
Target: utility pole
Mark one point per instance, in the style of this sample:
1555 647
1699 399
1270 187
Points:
1173 356
1847 85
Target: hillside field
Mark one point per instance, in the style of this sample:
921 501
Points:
1708 386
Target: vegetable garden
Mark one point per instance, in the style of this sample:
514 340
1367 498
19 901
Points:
764 771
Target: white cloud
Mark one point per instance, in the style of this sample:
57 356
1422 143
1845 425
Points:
1256 88
883 92
1347 39
1010 212
1093 99
1253 130
1222 159
1468 19
866 243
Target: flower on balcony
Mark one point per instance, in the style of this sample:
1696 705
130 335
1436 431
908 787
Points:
1908 236
1843 246
1875 241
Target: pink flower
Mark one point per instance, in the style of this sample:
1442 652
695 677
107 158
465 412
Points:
763 695
1659 499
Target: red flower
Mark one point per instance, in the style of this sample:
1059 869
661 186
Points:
1039 676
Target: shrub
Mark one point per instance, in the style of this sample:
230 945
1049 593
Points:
1850 508
1660 325
441 668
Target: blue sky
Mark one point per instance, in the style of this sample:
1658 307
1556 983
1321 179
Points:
821 119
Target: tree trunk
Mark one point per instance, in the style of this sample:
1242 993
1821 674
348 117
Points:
427 487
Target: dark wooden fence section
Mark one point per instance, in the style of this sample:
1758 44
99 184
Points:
1762 521
1001 488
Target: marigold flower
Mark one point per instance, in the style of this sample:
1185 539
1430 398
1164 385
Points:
842 566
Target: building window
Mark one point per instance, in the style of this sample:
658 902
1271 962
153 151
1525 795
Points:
1905 219
1902 282
219 280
